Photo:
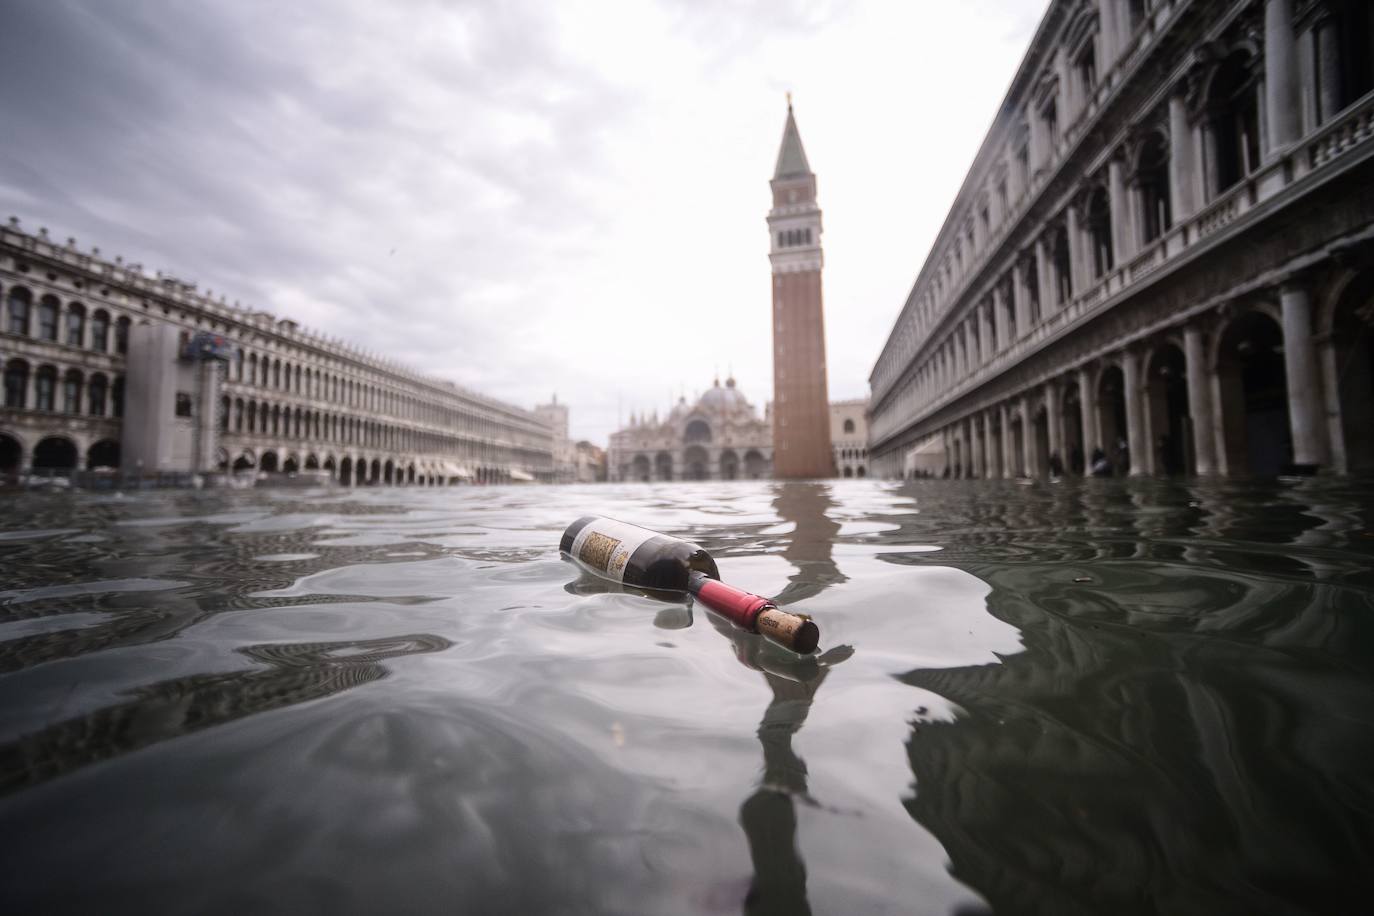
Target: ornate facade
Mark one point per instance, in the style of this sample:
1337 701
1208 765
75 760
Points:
801 427
720 437
287 400
849 437
1160 256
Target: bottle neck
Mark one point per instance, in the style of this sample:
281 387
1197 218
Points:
737 605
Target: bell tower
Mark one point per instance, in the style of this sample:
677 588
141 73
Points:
801 408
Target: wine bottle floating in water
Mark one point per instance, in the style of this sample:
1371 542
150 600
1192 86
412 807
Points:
645 559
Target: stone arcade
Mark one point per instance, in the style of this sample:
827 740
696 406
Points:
1162 251
288 400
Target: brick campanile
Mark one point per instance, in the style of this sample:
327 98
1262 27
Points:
801 408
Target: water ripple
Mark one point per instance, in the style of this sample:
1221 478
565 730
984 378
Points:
1085 697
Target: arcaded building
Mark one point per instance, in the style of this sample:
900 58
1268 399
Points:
720 437
801 427
849 437
1160 256
280 398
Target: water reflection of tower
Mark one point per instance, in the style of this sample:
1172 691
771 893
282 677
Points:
809 547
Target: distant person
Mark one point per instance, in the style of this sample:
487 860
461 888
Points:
1123 456
1056 465
1101 467
1076 460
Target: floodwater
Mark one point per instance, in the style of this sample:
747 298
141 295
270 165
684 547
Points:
1082 697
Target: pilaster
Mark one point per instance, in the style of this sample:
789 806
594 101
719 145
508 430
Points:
1300 365
1280 75
1199 400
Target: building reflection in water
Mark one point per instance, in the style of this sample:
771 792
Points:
294 673
1191 724
807 506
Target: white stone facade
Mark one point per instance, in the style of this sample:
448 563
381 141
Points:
290 399
1161 256
849 437
720 437
564 460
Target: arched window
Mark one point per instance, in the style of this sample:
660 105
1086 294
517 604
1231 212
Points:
1152 182
1135 14
848 426
1100 232
1009 309
45 388
100 331
16 384
117 396
47 318
76 324
238 365
1344 62
122 335
1032 289
1063 267
252 368
71 392
19 300
697 431
95 395
1233 121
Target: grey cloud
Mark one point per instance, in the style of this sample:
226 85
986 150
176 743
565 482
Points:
264 148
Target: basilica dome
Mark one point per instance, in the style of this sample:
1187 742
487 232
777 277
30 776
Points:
723 399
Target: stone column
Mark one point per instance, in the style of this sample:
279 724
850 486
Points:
1121 217
1054 420
1135 425
1107 45
974 446
1027 437
1014 189
1022 297
1037 140
1077 277
1300 364
1280 74
1087 400
985 332
1329 63
1008 451
1068 90
1181 165
1199 400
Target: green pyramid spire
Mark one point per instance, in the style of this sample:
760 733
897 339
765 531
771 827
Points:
791 157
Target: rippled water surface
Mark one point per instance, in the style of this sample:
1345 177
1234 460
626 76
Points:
1098 697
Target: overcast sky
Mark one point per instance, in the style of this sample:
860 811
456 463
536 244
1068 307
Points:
525 197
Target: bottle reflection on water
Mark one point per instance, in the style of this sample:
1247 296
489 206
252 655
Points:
768 816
